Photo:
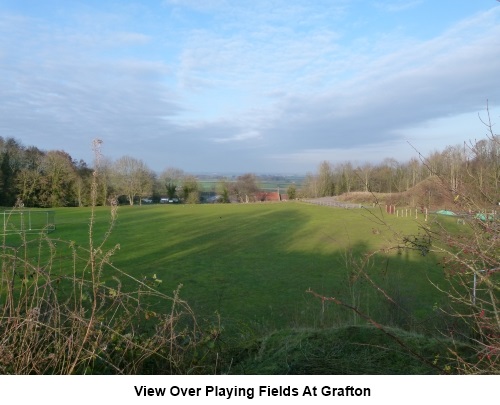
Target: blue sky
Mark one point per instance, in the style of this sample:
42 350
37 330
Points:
248 86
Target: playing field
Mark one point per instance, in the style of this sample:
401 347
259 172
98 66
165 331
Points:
252 263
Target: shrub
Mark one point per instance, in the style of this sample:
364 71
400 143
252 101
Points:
59 316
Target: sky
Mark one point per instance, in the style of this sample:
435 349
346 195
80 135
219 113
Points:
261 86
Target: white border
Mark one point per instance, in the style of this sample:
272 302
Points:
120 390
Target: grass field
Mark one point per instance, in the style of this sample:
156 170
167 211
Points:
249 266
207 184
252 263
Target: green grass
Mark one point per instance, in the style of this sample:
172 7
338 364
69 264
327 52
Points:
252 263
349 350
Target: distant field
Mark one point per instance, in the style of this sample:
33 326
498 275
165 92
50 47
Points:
252 263
208 184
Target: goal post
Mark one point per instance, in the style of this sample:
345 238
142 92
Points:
28 221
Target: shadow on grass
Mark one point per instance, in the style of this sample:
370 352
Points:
251 265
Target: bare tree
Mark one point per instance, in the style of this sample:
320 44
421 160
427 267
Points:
364 173
245 187
132 178
310 186
346 174
106 178
326 186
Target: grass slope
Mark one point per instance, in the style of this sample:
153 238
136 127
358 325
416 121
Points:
349 350
252 263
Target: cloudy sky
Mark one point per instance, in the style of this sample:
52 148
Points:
236 86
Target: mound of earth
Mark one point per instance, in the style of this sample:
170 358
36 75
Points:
430 193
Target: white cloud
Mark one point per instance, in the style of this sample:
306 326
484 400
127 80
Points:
278 77
243 136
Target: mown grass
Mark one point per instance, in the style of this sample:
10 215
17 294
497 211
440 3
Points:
252 263
249 266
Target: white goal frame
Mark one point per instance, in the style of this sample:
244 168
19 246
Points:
28 221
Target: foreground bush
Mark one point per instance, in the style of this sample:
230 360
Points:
59 316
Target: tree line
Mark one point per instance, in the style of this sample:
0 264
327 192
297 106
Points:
473 166
52 178
36 178
39 178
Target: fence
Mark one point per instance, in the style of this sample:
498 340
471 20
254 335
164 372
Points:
407 212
